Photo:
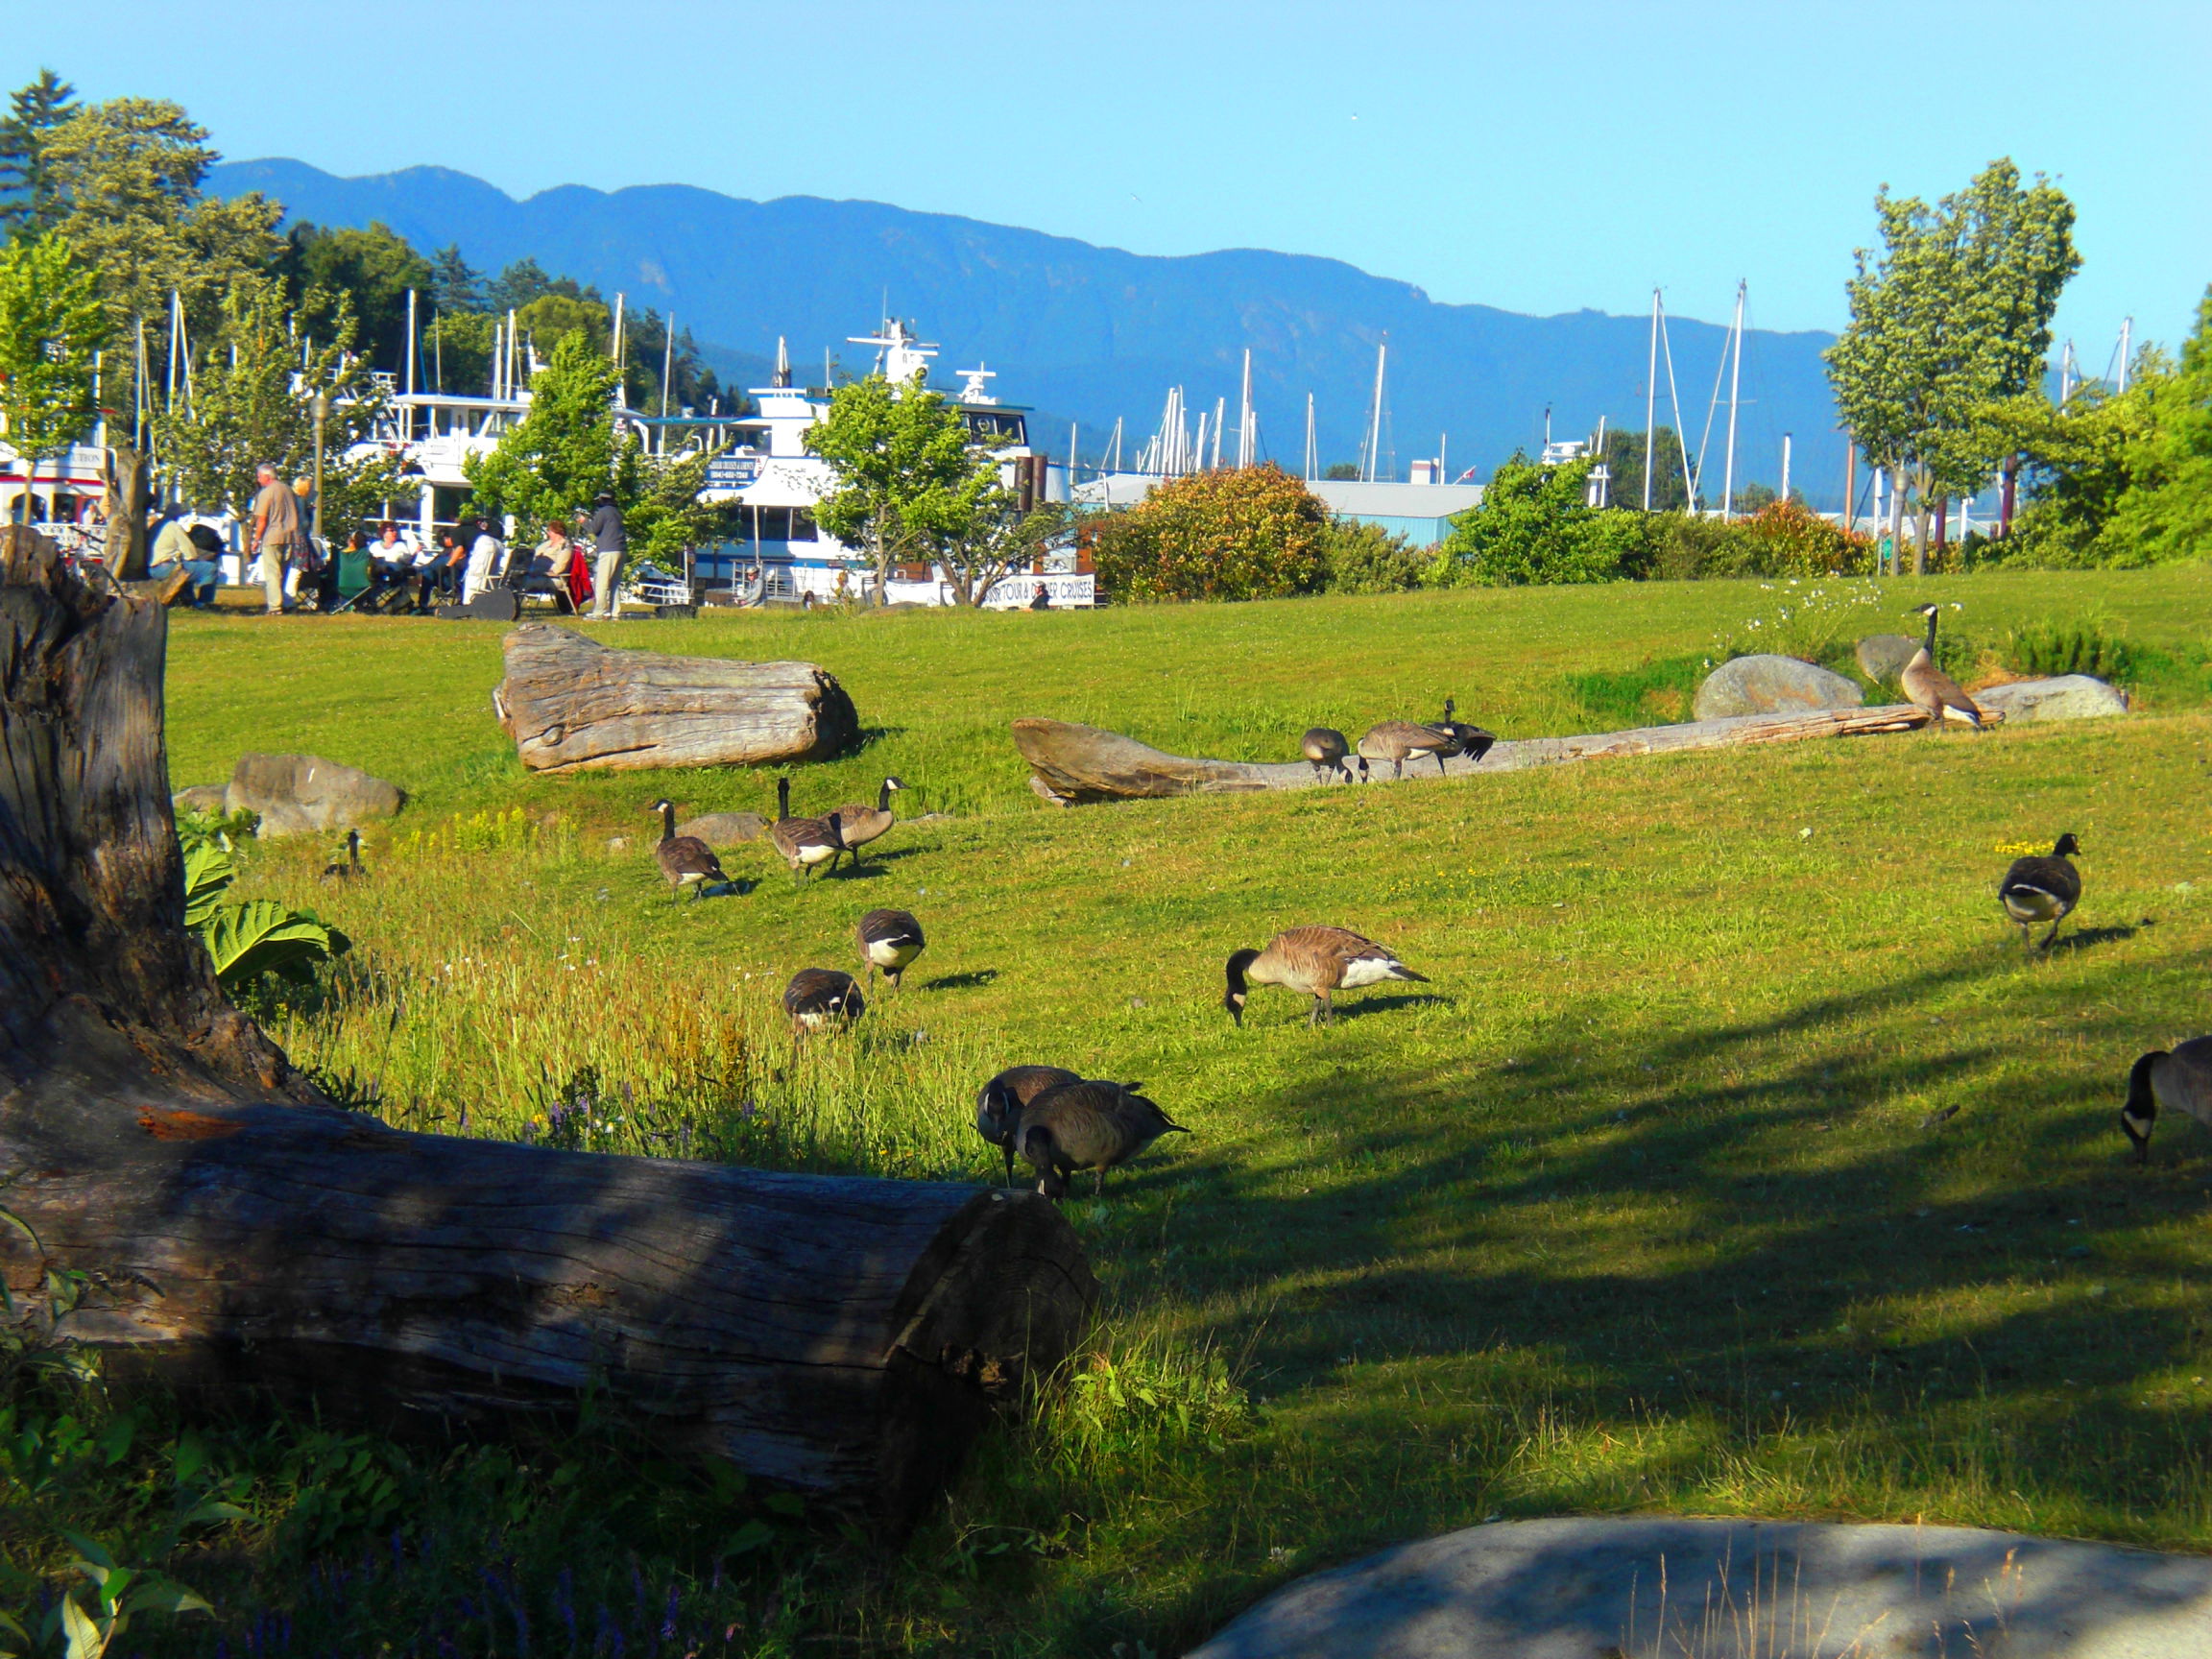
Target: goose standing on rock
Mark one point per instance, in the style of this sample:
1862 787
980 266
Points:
2044 888
684 859
999 1103
1325 748
820 998
858 823
889 940
1317 961
804 842
1088 1125
351 867
2180 1081
1399 741
1930 688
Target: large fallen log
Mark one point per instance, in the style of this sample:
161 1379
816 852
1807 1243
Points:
1073 765
845 1337
571 704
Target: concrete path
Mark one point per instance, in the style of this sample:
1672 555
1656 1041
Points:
1595 1588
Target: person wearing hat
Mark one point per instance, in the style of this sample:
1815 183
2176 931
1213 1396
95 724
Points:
605 530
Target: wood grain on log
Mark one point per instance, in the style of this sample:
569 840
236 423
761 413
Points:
845 1337
1083 763
570 704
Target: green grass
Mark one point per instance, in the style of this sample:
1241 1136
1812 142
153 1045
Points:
1735 1161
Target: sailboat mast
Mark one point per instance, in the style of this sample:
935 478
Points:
1650 400
1244 415
1375 411
1735 384
2126 329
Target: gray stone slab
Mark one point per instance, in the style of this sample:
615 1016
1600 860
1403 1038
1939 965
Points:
1768 684
2065 697
305 794
1655 1588
1882 657
724 828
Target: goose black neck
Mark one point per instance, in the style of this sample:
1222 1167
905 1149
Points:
1237 963
783 799
883 796
2141 1102
1930 635
667 823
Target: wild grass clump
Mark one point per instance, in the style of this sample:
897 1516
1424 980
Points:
2078 647
1817 621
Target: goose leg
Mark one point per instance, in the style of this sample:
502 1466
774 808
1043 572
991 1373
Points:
1396 769
1439 762
1007 1146
2053 934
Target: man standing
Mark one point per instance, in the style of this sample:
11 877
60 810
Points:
276 533
606 532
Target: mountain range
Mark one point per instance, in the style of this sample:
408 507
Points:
1090 334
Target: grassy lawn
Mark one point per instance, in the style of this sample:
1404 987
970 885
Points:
1737 1161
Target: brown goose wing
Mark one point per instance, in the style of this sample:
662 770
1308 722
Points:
1333 959
682 855
2045 875
858 825
1932 689
822 992
2185 1081
1394 739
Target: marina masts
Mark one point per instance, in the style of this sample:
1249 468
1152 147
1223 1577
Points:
1375 412
1735 385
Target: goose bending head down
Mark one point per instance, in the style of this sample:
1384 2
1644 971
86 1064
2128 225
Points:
1325 748
1000 1102
686 860
2043 888
1318 961
1929 688
1399 741
822 998
1471 741
1088 1125
890 939
2179 1080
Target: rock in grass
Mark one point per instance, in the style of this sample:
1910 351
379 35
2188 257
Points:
199 797
305 794
1773 685
723 829
2068 697
1882 657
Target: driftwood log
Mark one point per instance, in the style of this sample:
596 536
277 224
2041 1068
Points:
1072 765
844 1336
571 704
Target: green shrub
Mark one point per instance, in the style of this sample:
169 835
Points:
1534 524
1683 548
2082 647
1247 533
1368 559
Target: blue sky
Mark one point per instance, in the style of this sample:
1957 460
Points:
1536 156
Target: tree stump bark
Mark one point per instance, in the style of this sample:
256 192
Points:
571 704
844 1336
1073 765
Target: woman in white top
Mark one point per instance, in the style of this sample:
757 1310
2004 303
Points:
484 561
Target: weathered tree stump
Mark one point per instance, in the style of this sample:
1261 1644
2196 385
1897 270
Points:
571 704
844 1336
1073 765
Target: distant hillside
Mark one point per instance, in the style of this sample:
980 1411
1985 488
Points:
1092 334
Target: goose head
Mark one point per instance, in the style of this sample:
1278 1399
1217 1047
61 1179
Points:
2067 847
1239 993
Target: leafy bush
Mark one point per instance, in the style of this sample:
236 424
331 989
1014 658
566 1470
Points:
1797 541
1250 533
1368 559
1534 524
2083 647
257 937
1782 539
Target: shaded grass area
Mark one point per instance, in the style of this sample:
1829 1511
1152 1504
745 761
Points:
1737 1161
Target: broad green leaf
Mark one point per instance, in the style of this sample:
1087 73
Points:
84 1638
207 870
262 937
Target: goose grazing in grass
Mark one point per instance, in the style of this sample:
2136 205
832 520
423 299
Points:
1471 741
1085 1125
684 859
2180 1081
351 866
804 842
1325 748
2044 888
999 1103
889 940
1318 961
1930 688
1399 741
818 999
858 823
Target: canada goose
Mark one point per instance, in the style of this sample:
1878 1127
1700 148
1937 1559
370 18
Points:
351 865
858 823
684 859
999 1104
820 997
1399 741
2044 888
804 842
1325 748
1471 741
1929 686
1087 1126
889 940
1314 960
2181 1081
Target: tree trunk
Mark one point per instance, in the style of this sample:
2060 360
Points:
128 479
1921 522
1942 528
571 704
1073 765
843 1337
2006 494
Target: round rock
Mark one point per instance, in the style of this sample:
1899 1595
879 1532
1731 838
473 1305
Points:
2067 697
304 794
724 828
1773 685
1575 1588
1882 657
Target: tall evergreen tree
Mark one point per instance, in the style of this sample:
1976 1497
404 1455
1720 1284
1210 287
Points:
30 202
456 286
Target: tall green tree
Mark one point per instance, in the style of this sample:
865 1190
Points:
2166 513
1953 315
30 202
558 457
1534 524
1624 460
909 483
127 173
456 287
376 268
51 324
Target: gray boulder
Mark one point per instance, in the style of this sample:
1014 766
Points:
1773 685
1575 1587
2067 697
199 797
305 794
724 828
1882 657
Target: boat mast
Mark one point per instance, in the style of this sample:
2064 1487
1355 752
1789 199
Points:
1220 419
1735 384
1650 400
1375 411
2126 329
1244 416
1309 437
